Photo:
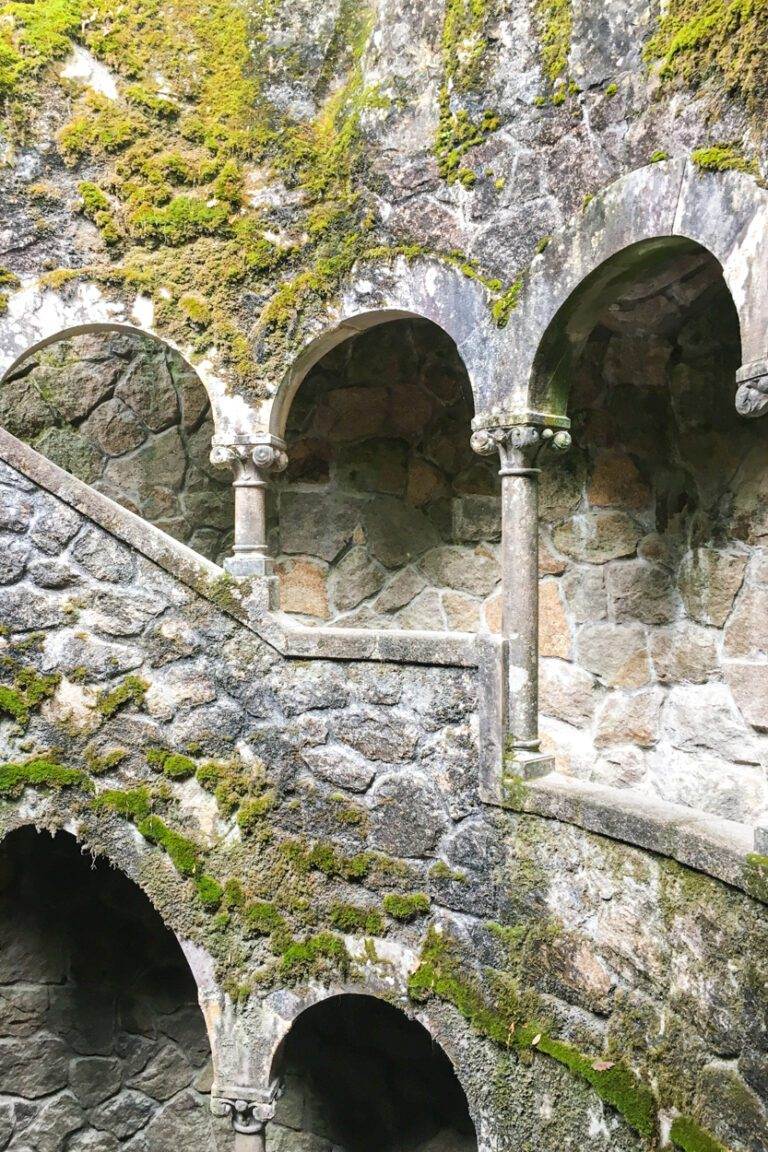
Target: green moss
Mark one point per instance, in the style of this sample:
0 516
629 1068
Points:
442 871
39 773
555 24
406 906
133 804
186 218
756 876
196 308
227 781
722 158
253 811
497 1009
30 689
104 128
686 1134
210 892
611 89
352 919
97 206
99 763
659 155
304 959
183 852
178 767
262 918
324 857
722 41
130 691
32 35
504 306
152 102
234 896
8 279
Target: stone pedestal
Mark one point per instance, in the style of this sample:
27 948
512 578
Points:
519 447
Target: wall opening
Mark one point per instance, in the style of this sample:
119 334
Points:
386 518
360 1076
654 566
126 414
102 1041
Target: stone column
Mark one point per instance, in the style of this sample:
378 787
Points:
519 447
252 462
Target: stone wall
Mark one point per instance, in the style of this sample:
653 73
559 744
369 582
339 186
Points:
102 1042
127 415
653 562
386 516
311 824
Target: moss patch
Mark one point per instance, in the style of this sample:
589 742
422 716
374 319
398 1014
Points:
130 691
406 906
132 804
314 957
183 852
352 919
722 158
39 773
686 1134
722 41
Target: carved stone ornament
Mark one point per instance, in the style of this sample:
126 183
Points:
249 1117
519 445
251 461
752 393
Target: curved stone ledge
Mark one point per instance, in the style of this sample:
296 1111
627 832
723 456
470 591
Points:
247 603
720 848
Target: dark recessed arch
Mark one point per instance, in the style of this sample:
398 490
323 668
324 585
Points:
367 1077
566 336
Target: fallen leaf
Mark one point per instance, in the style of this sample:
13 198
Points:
536 1039
602 1065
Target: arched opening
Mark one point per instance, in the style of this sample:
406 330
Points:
124 412
102 1042
386 517
653 547
360 1076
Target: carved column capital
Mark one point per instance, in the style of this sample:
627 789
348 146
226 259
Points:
519 445
249 1110
251 460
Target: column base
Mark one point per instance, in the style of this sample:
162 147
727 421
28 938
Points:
245 565
525 764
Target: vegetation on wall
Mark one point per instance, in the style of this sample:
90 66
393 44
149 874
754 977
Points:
724 42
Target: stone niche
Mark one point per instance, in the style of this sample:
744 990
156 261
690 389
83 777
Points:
359 1076
102 1042
385 517
127 415
654 570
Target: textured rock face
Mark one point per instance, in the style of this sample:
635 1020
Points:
126 414
102 1039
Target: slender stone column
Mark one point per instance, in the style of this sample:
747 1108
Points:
519 448
252 462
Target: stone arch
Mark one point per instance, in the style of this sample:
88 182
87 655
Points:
125 411
666 204
377 293
383 507
115 1042
402 1085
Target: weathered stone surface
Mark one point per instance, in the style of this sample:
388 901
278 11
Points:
585 594
684 653
374 466
303 588
124 1115
633 720
400 590
462 613
567 692
316 525
114 428
396 533
147 388
704 716
354 579
340 766
709 581
165 1075
407 815
598 537
554 629
94 1079
617 653
103 557
475 571
640 591
49 1130
33 1067
13 558
616 482
476 518
746 634
749 685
